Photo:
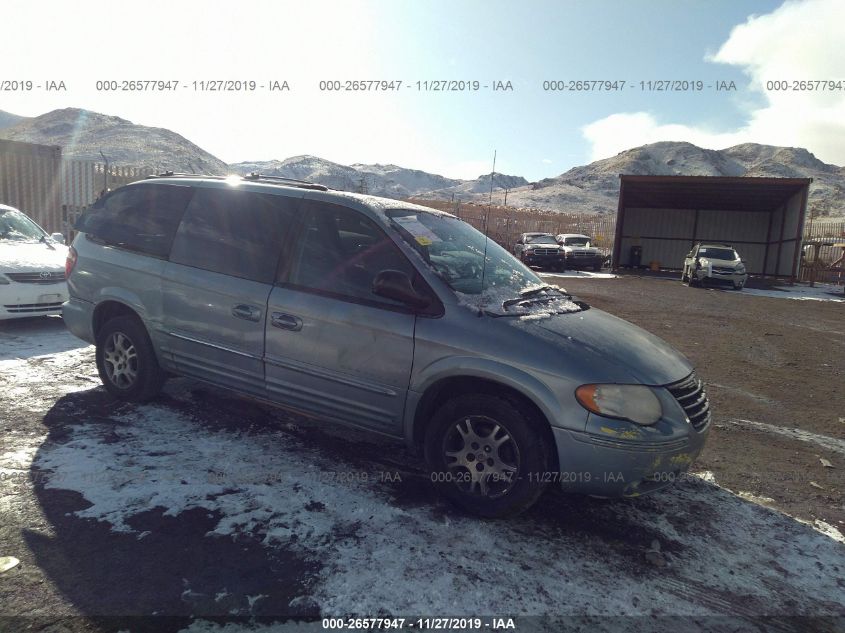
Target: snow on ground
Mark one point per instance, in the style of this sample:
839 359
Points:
378 556
802 292
579 274
716 552
830 443
267 484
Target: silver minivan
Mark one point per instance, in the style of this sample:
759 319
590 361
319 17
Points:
387 316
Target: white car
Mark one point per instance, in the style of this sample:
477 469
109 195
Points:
714 263
32 267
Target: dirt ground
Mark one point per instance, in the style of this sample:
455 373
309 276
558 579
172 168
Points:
776 361
104 550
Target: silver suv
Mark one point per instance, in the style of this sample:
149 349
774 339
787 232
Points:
714 263
387 316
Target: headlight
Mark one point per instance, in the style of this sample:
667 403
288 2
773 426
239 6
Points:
636 403
740 269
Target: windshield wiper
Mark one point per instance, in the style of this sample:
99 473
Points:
527 296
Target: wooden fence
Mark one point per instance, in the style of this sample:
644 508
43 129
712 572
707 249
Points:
815 262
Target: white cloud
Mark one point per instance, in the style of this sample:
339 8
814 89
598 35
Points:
797 41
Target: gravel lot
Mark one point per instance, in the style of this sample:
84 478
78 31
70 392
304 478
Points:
202 505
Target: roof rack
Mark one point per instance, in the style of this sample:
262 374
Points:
304 184
253 177
178 174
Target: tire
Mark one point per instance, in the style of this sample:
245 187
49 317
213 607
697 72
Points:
457 435
126 360
597 268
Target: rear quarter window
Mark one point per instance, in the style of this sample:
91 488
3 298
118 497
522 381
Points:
142 218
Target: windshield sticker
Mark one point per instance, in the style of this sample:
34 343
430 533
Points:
421 233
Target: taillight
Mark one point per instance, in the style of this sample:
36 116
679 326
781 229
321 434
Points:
70 262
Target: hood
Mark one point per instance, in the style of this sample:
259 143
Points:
31 256
608 348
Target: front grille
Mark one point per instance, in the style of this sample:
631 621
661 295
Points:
33 307
581 254
543 251
723 270
46 277
689 393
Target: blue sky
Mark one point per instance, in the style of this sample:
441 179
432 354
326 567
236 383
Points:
536 133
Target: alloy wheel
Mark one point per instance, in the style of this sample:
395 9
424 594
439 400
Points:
120 360
482 456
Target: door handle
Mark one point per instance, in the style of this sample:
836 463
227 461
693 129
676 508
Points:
247 312
286 321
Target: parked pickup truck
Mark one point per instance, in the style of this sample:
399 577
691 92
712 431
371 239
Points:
579 252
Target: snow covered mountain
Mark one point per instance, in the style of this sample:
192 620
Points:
7 119
391 181
592 188
84 134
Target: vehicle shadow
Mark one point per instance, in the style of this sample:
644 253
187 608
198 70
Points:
202 504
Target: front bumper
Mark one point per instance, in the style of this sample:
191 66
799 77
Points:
21 300
584 261
616 467
543 260
721 277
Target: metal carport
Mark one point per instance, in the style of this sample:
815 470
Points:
666 215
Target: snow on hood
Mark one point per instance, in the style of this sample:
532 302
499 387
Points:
31 256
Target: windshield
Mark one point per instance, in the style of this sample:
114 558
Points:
728 254
577 241
15 226
454 250
541 239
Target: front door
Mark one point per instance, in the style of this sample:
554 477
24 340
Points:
333 348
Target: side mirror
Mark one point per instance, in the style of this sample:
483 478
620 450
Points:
396 285
57 237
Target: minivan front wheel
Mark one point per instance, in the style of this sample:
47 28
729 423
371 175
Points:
486 455
126 361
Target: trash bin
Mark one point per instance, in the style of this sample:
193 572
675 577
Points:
636 256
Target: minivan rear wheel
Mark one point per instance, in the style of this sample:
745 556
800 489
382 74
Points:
486 455
126 360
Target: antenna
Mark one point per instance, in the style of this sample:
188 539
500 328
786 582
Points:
486 239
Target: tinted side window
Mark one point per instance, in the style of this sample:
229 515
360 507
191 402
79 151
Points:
340 252
236 233
140 217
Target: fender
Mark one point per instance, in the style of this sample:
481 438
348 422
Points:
474 367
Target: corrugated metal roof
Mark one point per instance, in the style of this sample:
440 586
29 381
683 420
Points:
709 192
